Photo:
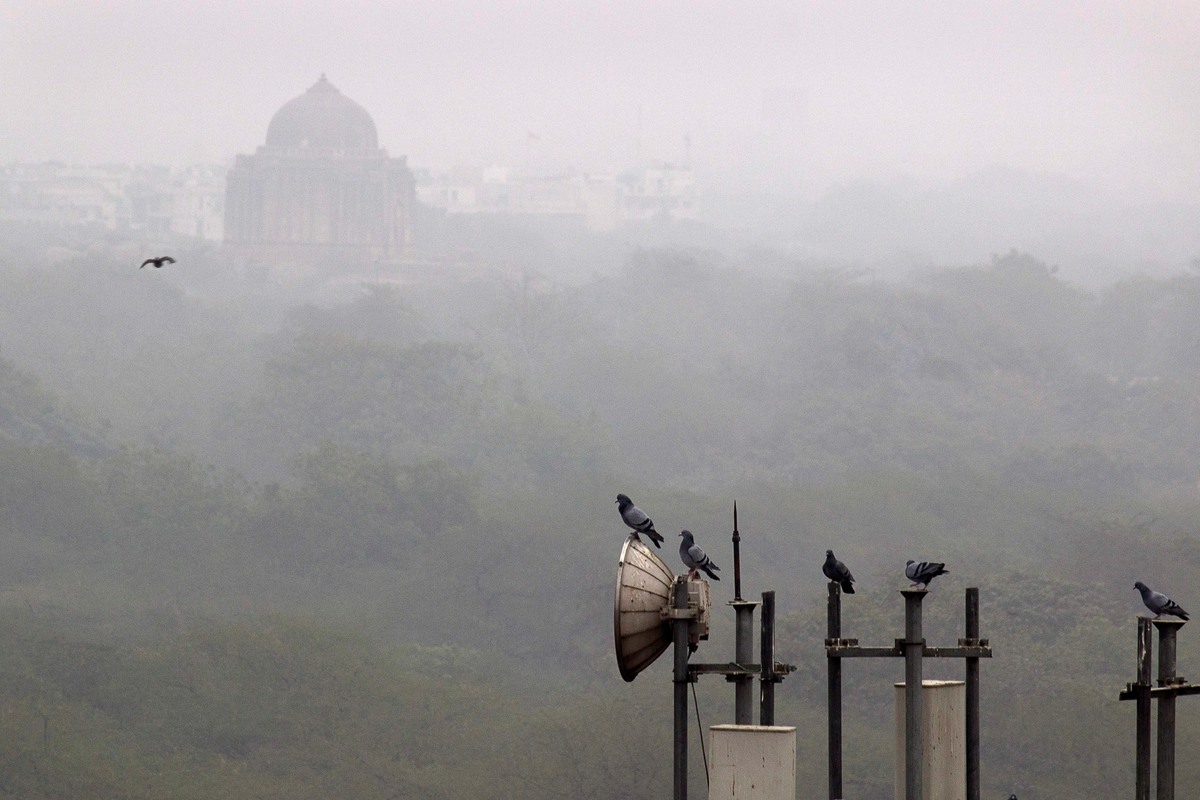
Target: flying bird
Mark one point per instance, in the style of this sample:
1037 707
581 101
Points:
837 572
694 558
922 572
635 518
158 262
1159 603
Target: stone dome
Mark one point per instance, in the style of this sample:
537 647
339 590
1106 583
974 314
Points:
322 117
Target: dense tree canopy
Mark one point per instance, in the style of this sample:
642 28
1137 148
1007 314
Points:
256 545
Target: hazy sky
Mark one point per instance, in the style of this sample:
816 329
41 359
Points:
788 95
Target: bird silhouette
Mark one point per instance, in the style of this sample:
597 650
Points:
837 572
922 572
158 262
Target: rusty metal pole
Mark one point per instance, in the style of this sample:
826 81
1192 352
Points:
1145 650
914 706
679 629
834 631
1165 782
766 647
972 681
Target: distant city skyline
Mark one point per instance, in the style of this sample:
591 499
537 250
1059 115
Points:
771 96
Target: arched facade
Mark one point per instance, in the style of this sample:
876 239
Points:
321 190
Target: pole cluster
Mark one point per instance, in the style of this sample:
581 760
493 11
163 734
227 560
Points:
740 671
913 650
1169 686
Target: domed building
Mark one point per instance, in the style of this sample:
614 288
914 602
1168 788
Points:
321 191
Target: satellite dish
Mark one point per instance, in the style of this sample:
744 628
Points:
640 628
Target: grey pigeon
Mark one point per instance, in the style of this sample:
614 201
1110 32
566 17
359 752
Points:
158 262
922 572
836 571
694 558
635 518
1159 603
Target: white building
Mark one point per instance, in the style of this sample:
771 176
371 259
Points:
598 201
120 197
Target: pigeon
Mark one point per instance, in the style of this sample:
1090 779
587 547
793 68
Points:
836 571
636 518
922 572
694 558
158 262
1159 603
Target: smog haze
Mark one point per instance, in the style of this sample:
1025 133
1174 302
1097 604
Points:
781 97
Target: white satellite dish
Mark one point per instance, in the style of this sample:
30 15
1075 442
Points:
640 628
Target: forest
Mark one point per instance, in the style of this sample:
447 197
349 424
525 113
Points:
272 540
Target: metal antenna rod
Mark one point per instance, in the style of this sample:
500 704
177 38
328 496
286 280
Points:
737 557
766 644
972 682
833 634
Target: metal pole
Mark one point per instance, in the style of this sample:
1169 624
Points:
737 557
743 653
972 680
743 643
834 631
1166 708
914 712
680 635
1145 650
766 642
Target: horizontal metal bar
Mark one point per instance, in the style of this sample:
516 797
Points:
728 668
1132 693
679 613
863 652
958 652
898 651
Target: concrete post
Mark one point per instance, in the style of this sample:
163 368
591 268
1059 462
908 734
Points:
943 733
753 762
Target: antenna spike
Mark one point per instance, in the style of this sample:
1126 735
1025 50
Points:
737 556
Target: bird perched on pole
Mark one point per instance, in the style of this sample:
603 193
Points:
694 558
922 572
1159 603
158 262
635 518
837 572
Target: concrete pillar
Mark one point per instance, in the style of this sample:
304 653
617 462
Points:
944 729
753 762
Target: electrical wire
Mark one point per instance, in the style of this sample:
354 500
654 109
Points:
696 705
